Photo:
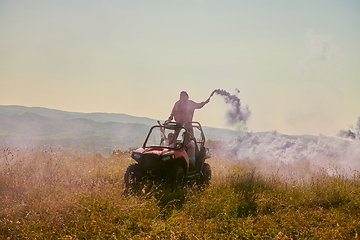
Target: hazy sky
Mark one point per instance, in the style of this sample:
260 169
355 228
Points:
296 63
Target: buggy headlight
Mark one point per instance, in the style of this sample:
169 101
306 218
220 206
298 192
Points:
167 157
136 155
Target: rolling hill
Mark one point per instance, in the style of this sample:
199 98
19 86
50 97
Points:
33 126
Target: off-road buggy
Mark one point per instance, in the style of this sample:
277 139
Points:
161 161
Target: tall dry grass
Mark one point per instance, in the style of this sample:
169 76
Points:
50 193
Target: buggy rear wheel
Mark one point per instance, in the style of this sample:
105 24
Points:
206 174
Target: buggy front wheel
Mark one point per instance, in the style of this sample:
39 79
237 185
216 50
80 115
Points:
132 177
176 177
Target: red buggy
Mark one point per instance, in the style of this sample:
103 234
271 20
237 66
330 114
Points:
162 159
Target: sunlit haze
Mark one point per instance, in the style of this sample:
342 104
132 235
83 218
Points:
296 63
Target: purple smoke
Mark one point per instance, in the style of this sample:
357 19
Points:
236 114
351 133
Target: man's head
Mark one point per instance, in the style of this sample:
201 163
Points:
184 95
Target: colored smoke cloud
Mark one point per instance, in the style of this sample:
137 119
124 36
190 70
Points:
352 133
296 156
299 155
320 53
236 114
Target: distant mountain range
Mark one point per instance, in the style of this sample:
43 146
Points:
97 117
33 126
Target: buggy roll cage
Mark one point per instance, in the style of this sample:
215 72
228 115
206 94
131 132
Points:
177 128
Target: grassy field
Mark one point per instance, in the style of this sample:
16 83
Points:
62 194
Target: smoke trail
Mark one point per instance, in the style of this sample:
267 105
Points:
347 134
295 156
320 54
274 146
236 114
351 133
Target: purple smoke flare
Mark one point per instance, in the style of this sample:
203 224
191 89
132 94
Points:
236 114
